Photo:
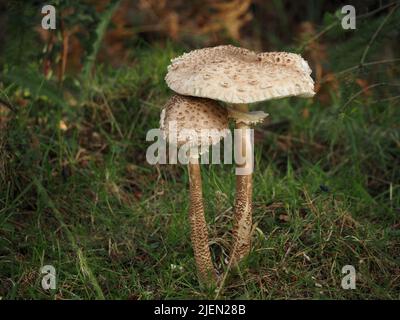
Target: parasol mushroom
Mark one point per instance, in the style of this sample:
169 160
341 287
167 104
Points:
195 123
239 77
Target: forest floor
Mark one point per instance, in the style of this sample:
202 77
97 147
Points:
78 194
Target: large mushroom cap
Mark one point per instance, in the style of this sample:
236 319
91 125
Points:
238 75
205 118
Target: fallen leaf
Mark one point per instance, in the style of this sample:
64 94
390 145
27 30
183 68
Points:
62 125
284 217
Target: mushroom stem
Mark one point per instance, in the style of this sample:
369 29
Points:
199 234
243 198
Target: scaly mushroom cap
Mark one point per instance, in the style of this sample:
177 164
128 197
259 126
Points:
204 117
238 75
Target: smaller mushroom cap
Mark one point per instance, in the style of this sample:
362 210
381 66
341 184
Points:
197 121
238 75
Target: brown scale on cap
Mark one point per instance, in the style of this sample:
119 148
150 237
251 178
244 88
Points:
286 59
238 75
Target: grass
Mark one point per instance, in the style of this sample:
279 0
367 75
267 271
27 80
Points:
77 193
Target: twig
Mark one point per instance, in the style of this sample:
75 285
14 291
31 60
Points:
64 53
333 24
376 34
360 66
386 99
228 268
111 114
318 35
8 105
366 88
100 31
364 55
